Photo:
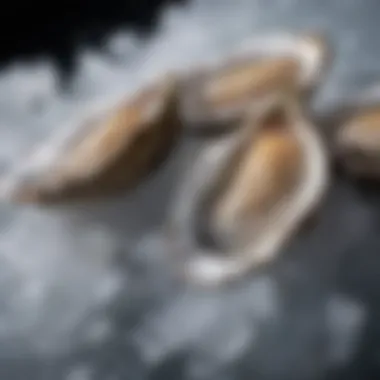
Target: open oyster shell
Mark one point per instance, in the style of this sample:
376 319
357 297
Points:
218 92
109 154
358 143
260 185
351 126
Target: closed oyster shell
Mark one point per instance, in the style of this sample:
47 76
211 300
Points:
218 92
108 155
260 185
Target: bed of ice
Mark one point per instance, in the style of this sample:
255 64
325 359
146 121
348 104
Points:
69 309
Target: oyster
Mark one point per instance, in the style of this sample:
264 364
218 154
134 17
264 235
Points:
358 143
109 154
259 186
351 126
218 92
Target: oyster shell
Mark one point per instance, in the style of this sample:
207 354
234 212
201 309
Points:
351 126
358 143
218 92
260 185
109 154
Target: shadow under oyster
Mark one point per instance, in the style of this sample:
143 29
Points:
256 188
109 154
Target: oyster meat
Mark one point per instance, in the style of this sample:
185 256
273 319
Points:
108 155
217 93
358 143
259 186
